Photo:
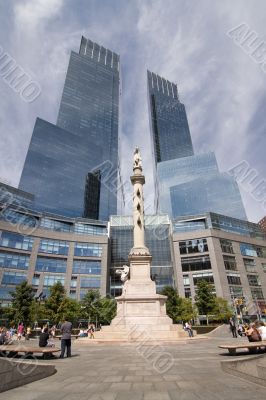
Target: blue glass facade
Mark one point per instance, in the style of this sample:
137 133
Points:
157 239
169 126
184 183
85 139
220 222
194 185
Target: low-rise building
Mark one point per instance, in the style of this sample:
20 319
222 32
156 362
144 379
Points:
45 248
226 252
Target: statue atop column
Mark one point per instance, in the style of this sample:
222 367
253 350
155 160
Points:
137 158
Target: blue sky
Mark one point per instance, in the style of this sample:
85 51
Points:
186 42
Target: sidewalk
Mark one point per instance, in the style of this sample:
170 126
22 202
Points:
128 372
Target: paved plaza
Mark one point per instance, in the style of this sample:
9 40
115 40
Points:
129 372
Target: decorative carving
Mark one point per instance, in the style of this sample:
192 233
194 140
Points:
124 276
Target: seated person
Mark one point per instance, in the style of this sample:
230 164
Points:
82 333
44 337
262 330
253 334
3 336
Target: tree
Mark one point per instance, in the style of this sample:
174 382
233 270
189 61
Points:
222 311
107 310
205 299
22 299
95 308
178 308
58 306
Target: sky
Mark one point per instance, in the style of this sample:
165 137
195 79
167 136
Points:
220 82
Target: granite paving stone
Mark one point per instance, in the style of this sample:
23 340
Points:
115 372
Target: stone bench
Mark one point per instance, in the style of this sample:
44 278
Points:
251 346
13 350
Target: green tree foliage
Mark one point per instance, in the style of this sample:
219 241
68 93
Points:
222 310
95 308
178 308
58 306
205 299
22 299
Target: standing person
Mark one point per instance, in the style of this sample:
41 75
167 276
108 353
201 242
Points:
20 330
91 331
233 327
28 333
66 338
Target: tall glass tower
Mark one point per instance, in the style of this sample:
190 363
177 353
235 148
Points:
169 125
84 143
185 183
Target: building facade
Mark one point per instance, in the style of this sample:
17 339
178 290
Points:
85 140
262 224
228 253
184 183
170 133
193 185
157 239
44 249
84 254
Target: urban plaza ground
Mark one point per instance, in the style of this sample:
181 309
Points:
195 369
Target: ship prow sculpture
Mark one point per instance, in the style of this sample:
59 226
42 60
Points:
139 308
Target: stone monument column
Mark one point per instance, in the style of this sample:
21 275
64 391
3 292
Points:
139 306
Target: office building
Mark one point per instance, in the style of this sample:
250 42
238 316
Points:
262 224
43 249
170 133
185 183
84 141
158 241
228 253
84 254
190 185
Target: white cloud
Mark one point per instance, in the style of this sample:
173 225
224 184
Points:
30 14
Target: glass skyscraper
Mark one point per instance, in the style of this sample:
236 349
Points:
158 241
169 126
185 183
84 143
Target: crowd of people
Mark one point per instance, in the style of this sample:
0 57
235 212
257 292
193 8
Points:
255 332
